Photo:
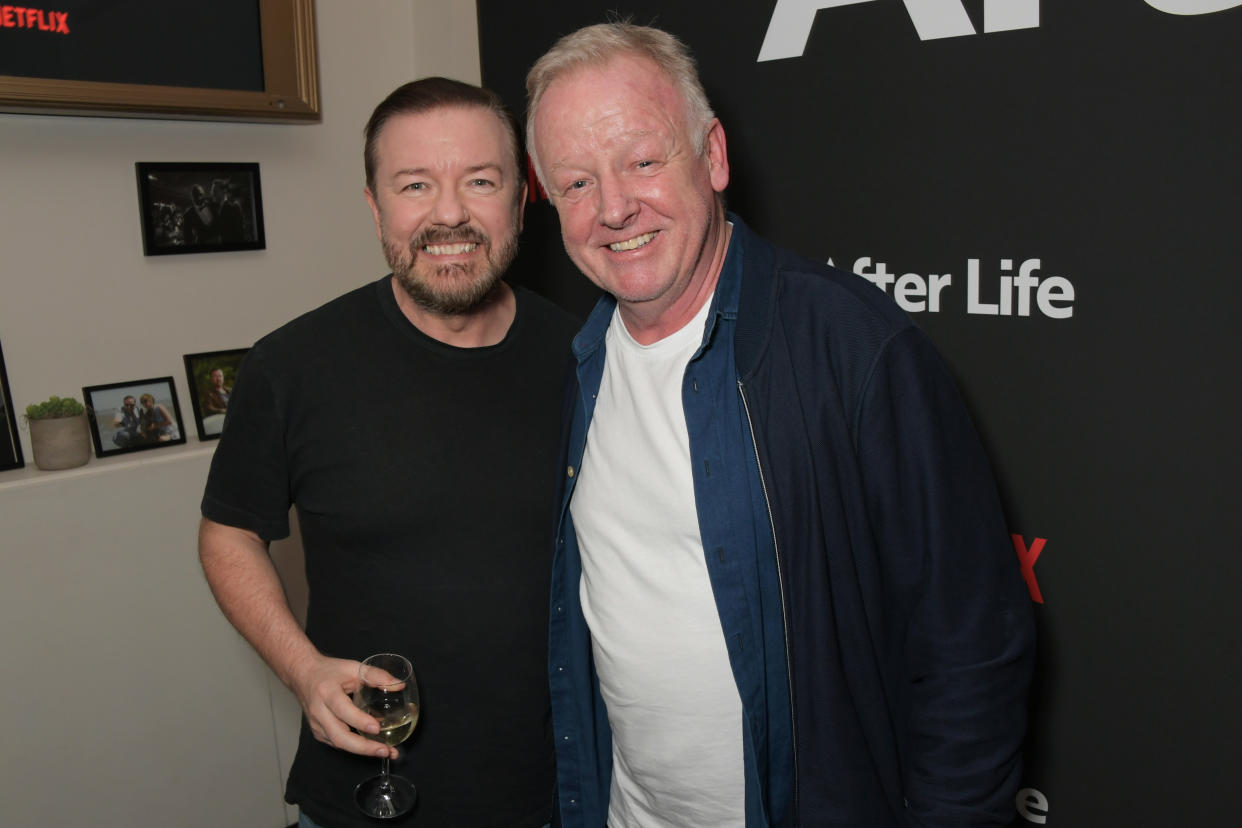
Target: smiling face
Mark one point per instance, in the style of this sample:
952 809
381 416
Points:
637 199
447 204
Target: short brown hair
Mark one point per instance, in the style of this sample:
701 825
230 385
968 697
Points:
436 93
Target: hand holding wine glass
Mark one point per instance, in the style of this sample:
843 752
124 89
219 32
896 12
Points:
325 687
388 692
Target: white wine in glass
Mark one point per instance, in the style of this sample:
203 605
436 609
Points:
387 690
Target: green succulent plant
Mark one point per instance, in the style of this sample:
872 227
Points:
55 407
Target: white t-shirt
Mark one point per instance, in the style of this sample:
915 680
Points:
664 672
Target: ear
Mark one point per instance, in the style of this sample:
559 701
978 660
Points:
717 156
375 212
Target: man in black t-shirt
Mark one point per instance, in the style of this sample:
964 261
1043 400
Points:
413 422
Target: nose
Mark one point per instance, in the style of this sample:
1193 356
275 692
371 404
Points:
449 209
617 206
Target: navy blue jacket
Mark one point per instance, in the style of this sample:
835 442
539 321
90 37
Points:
877 624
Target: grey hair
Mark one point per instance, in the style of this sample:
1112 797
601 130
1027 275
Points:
598 44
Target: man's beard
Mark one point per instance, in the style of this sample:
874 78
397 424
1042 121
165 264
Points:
450 289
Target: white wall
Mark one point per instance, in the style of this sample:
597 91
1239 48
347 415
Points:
127 699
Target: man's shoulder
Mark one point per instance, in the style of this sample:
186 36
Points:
795 282
815 305
328 323
841 291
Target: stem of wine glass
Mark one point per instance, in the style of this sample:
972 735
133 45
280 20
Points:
384 766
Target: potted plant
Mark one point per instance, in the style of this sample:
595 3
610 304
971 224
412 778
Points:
59 437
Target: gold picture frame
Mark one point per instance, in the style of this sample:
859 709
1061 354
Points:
290 76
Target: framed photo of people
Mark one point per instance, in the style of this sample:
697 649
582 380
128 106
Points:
134 416
210 377
200 207
10 444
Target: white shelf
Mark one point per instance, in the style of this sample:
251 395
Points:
31 475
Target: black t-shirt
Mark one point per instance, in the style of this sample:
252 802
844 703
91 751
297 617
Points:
423 477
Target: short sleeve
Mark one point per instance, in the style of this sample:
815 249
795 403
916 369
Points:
248 485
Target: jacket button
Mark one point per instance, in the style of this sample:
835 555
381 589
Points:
571 471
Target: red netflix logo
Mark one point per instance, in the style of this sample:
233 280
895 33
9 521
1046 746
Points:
1027 557
21 17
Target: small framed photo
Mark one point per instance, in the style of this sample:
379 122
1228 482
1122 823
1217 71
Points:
210 377
133 416
10 444
200 207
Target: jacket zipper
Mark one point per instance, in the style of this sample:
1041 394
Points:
780 577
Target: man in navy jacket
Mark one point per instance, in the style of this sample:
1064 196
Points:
783 590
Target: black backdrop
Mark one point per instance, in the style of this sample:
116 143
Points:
1096 148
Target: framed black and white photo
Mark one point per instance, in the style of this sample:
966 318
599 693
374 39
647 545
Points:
10 444
210 377
134 416
200 207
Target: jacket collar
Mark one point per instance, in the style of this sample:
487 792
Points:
756 296
591 335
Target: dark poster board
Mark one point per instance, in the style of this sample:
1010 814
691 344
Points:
227 60
1093 147
215 45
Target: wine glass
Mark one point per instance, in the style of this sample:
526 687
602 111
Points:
387 691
